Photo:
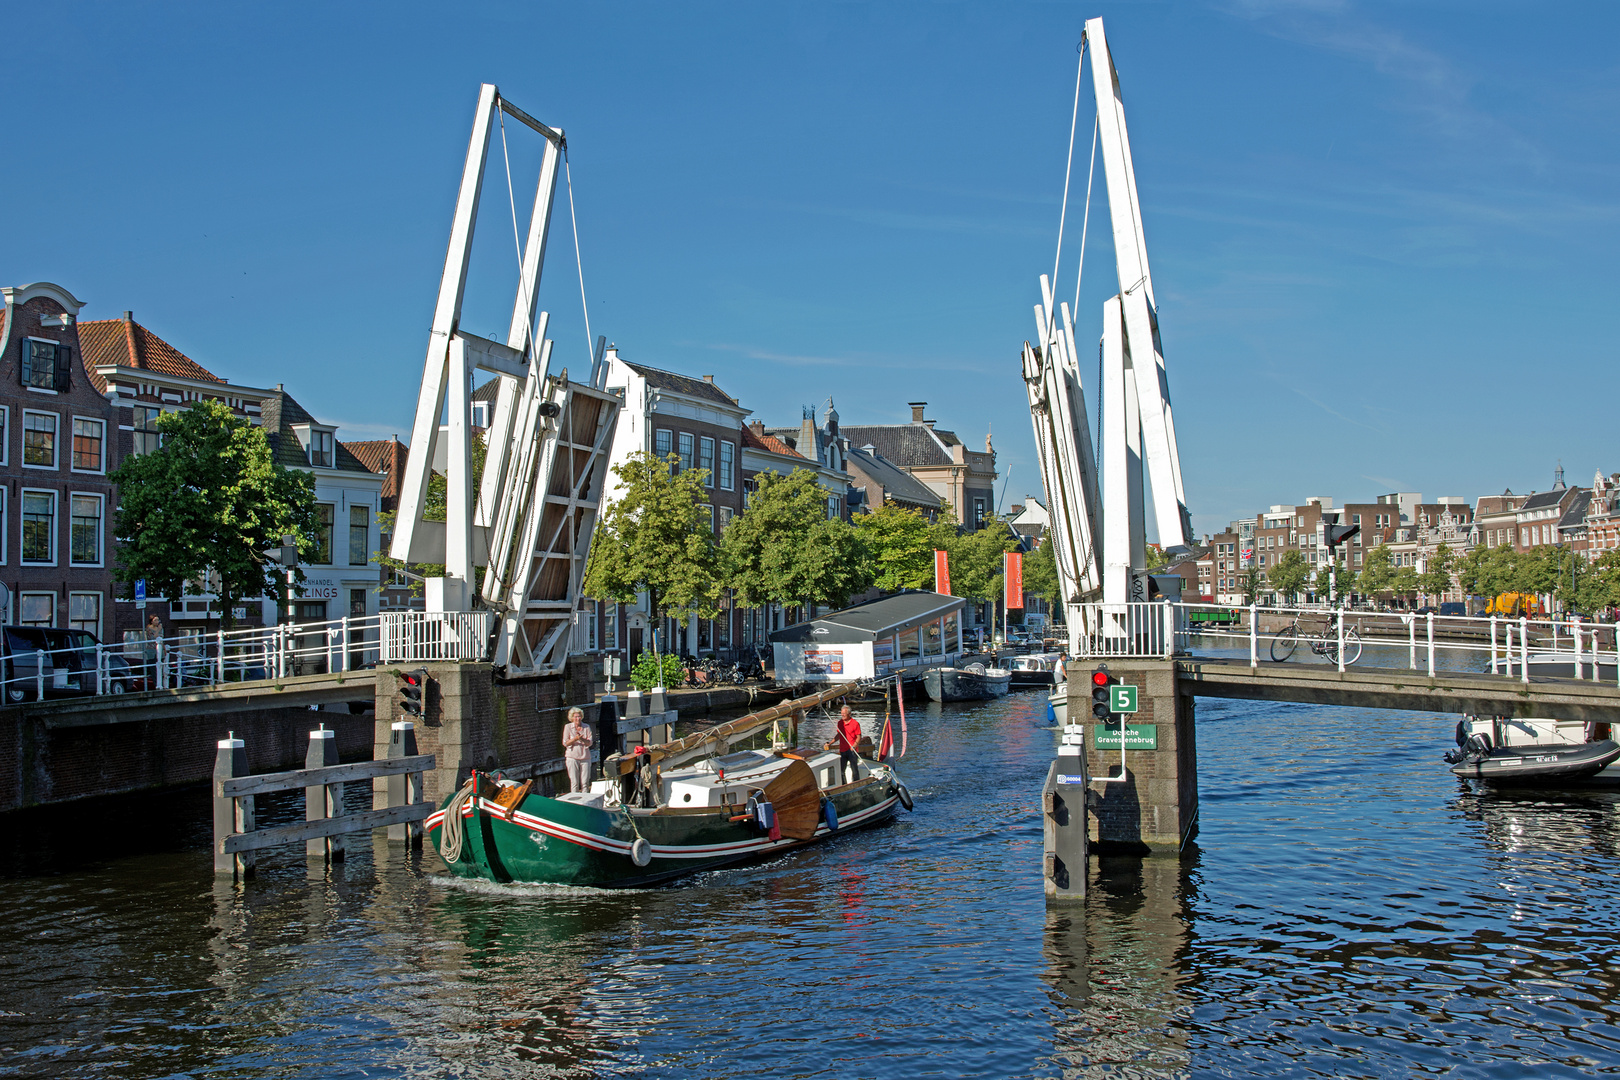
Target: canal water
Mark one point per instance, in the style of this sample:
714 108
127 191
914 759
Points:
1349 909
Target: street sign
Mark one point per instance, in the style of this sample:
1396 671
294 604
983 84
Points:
140 594
1121 698
1137 737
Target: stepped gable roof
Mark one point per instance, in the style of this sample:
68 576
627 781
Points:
902 444
681 384
897 483
279 413
126 343
1576 513
768 443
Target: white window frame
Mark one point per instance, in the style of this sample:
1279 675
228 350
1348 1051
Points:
709 509
661 455
726 464
101 470
56 443
5 434
101 528
21 596
101 612
56 525
708 481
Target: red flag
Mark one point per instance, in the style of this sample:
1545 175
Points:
1014 579
886 741
942 574
900 696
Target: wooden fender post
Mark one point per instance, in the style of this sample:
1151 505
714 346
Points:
323 801
231 815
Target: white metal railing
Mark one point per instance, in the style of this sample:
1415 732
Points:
230 656
1428 642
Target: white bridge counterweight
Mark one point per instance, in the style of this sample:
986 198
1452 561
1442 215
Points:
1099 522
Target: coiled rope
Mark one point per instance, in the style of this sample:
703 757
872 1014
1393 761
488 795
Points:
451 830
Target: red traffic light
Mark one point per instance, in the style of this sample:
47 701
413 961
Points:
1099 677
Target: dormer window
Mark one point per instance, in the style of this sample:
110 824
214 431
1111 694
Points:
46 365
320 444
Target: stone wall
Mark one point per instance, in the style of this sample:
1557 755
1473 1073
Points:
41 764
1156 807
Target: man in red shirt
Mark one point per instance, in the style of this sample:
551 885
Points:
849 736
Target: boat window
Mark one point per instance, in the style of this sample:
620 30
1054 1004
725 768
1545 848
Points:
933 644
909 642
953 640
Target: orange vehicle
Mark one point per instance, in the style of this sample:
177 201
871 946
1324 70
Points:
1515 604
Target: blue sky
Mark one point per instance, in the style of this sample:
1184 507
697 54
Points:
1383 236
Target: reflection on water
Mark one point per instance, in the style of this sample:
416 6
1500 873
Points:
1351 910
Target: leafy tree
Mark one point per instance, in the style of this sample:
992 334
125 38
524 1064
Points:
1596 585
433 509
1404 581
976 559
1378 572
210 498
902 543
1437 578
1488 571
1156 558
655 538
1041 576
1252 583
1291 573
785 550
1344 579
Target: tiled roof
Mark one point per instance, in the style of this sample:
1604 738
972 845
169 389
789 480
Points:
769 443
902 444
681 384
127 343
280 413
1543 499
898 484
385 456
489 391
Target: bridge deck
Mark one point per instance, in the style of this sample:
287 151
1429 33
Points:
1399 688
296 691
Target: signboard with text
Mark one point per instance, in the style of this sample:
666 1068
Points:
1137 736
823 661
1014 578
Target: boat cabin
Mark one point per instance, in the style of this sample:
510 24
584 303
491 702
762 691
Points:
870 640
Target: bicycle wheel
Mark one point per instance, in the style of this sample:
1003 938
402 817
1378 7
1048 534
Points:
1284 644
1352 646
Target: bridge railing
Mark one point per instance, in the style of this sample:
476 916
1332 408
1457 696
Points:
1427 642
202 659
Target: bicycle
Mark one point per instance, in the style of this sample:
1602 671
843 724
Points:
1325 644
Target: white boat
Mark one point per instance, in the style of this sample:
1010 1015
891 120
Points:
1036 669
1535 751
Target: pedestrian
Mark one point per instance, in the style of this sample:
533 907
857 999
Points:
576 740
849 736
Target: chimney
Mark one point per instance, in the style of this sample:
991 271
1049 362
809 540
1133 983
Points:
917 408
807 438
129 316
757 427
709 379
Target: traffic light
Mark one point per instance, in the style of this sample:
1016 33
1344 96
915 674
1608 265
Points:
1338 534
1100 682
413 690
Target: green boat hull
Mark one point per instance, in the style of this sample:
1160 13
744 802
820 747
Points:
550 841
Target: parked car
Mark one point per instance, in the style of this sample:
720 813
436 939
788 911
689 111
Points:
69 662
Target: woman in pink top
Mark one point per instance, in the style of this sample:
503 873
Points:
576 740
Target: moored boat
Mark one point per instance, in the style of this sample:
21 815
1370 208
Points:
1534 751
975 682
666 811
1035 670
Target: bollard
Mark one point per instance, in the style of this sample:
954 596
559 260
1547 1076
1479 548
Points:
1063 819
635 704
657 701
1254 635
1431 644
323 801
231 815
404 789
1524 648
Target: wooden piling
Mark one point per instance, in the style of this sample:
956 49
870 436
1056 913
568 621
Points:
322 801
232 814
405 788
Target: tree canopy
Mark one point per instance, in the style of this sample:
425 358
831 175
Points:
656 538
1291 573
901 544
784 549
210 498
1041 576
976 559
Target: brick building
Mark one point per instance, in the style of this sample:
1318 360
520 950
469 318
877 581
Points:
963 479
56 450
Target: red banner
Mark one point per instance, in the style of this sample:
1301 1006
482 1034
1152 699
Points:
1014 578
942 574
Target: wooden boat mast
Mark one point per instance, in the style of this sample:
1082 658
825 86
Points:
703 743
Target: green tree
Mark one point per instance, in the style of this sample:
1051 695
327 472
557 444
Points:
1156 558
1041 576
785 550
1378 573
976 559
1344 579
1252 585
902 543
1435 580
656 539
1597 585
210 499
433 509
1488 571
1404 581
1291 573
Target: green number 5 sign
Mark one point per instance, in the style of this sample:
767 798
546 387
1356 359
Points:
1121 698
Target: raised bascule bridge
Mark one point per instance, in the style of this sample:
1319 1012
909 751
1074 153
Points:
1098 482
